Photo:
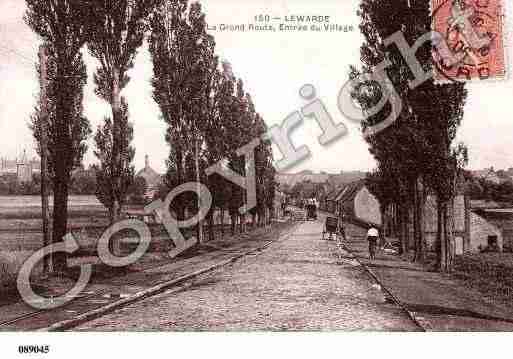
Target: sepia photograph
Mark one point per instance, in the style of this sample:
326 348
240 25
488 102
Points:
219 167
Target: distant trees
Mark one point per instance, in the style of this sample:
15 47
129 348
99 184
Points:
10 186
208 113
416 152
83 182
60 23
137 191
482 189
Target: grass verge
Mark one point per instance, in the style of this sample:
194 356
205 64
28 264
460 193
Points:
489 273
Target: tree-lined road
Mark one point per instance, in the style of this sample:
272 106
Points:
298 283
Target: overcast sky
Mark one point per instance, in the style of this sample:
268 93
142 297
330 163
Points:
273 66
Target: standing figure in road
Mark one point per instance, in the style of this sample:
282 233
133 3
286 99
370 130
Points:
372 237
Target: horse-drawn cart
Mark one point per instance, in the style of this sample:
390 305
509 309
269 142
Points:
311 212
332 227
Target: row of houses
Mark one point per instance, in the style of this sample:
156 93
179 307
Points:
353 200
475 228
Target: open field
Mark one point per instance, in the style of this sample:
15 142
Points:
20 220
20 224
490 273
20 238
21 235
29 207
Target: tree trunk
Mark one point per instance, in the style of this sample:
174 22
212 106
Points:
449 234
242 227
420 245
411 233
443 255
396 219
210 219
468 214
445 248
404 230
439 235
181 212
400 228
233 223
45 210
198 181
445 240
116 211
415 218
180 178
60 219
259 217
111 215
221 221
61 165
116 146
384 230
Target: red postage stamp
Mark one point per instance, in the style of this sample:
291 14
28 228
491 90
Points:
473 34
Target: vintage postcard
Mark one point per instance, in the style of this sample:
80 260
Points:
180 166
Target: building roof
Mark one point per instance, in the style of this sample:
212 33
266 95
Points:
500 217
334 180
482 204
332 195
346 195
153 179
350 191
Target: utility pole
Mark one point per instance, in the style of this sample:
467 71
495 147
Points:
43 123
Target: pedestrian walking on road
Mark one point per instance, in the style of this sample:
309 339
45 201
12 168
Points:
372 237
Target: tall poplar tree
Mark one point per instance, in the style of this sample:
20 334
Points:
105 189
115 33
61 25
184 63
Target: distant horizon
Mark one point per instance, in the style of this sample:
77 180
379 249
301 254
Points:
366 171
86 165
